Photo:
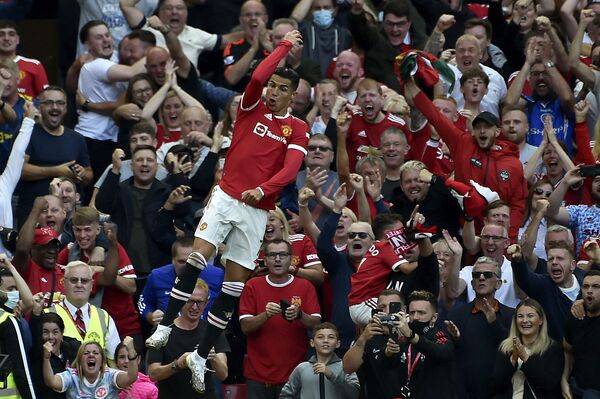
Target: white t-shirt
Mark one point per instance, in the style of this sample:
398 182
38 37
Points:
95 86
573 291
506 294
496 90
540 240
193 41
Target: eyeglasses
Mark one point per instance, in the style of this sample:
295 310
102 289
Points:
493 238
399 24
539 191
360 235
141 91
274 255
49 103
171 8
486 275
252 14
80 280
191 302
319 147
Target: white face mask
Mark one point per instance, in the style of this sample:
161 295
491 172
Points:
323 18
12 299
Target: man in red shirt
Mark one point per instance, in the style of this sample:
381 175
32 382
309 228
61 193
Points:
267 149
32 75
368 124
116 299
36 257
265 322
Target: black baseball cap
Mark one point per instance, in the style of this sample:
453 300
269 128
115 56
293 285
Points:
487 117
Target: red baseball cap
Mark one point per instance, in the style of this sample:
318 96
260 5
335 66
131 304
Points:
44 235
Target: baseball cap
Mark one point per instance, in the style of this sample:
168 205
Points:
487 117
44 235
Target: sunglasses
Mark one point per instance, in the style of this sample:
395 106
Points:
360 235
486 275
81 280
319 147
539 191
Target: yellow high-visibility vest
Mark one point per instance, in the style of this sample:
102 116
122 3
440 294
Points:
10 390
96 331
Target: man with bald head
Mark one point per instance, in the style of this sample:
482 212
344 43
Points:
241 57
348 72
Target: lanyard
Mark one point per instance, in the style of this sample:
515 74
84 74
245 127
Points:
411 365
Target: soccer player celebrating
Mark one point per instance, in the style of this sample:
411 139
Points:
267 149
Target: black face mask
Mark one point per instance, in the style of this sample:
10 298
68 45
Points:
420 327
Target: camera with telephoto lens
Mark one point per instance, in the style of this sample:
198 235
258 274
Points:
388 319
9 238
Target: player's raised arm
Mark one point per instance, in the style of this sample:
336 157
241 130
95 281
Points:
265 69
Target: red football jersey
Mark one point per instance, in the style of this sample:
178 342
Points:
373 273
266 150
362 134
32 77
304 253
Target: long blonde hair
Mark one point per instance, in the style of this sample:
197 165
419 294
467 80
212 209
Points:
543 340
278 214
78 362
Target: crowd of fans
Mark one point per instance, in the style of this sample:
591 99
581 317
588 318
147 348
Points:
440 240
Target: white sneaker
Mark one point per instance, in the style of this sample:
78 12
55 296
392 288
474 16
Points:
197 366
159 338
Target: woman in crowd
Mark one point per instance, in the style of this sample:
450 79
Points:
529 363
91 378
143 387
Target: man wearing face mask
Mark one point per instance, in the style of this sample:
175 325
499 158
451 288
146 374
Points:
324 39
422 352
14 338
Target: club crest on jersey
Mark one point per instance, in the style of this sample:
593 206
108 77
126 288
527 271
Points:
296 300
504 175
286 130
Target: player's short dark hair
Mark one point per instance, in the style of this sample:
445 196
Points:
397 7
423 295
8 23
591 273
383 222
143 127
143 147
51 317
181 242
390 292
495 205
473 22
52 88
85 29
509 108
289 74
276 242
326 326
474 72
144 36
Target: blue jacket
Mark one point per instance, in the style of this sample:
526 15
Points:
160 281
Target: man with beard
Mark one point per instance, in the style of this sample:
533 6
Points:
557 290
368 124
582 349
348 72
478 327
480 157
54 151
551 93
422 352
515 127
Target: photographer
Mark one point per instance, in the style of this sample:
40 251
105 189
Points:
423 353
366 355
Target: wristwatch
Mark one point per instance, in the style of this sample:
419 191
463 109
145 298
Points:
549 64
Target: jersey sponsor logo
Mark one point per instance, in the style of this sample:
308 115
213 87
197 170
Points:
203 226
476 162
312 257
296 300
125 269
504 175
101 393
262 130
286 130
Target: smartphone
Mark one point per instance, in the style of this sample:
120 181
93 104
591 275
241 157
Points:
395 307
589 170
284 305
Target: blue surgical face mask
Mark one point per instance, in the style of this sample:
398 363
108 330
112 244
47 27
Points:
12 299
323 18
